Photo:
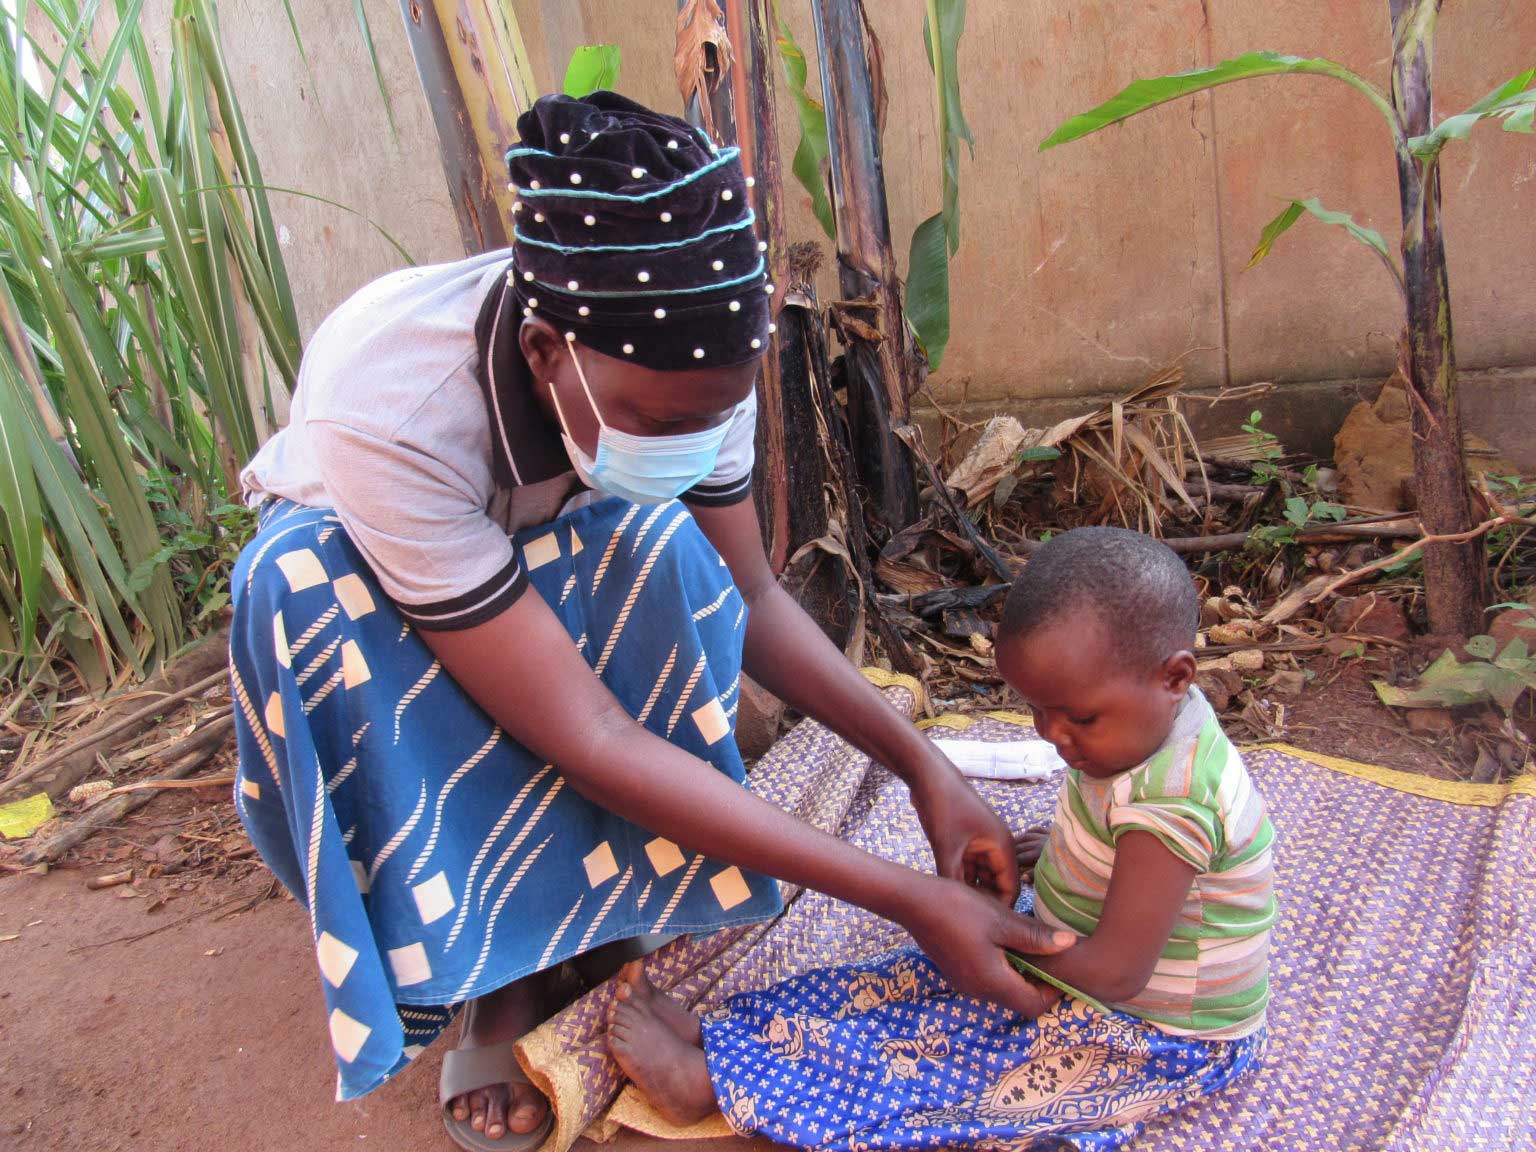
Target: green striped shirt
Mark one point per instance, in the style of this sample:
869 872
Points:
1194 795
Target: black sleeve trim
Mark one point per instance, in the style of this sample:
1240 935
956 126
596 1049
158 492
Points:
719 495
492 598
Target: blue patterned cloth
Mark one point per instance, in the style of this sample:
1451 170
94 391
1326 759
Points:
437 858
884 1055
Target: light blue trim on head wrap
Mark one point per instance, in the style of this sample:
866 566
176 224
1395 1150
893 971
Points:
752 275
577 249
725 156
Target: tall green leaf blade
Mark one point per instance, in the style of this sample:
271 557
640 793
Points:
927 302
360 14
19 503
1521 120
102 82
814 150
77 34
283 338
592 68
943 62
1140 95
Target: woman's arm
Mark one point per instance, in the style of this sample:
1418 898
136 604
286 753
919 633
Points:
791 657
522 667
1147 889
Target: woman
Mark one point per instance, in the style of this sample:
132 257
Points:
486 665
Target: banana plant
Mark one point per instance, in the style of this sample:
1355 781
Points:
1454 570
937 238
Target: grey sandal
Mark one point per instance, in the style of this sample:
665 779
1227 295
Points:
469 1070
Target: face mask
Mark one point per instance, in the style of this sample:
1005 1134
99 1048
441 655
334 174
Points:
640 469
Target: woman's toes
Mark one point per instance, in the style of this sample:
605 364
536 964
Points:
496 1115
477 1111
527 1109
460 1108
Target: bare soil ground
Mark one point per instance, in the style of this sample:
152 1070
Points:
208 1034
185 1012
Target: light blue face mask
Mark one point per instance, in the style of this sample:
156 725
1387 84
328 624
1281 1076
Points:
640 469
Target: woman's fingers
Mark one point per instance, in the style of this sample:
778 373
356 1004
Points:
1017 993
1026 935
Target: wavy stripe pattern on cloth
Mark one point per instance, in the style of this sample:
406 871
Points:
438 858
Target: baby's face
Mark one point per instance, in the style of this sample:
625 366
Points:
1103 716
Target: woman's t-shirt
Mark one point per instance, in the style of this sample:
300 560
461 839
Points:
1195 796
429 464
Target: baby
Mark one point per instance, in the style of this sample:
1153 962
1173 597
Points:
1158 858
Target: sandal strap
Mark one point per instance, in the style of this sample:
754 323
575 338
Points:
470 1069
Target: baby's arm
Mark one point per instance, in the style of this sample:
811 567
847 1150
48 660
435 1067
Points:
1146 891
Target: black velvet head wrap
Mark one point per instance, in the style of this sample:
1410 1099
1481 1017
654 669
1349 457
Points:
635 233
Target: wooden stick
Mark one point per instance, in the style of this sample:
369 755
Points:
1397 529
170 745
132 720
1327 587
211 738
220 780
110 880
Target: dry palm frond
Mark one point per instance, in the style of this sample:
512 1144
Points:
703 55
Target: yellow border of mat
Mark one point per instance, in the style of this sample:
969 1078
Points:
1449 791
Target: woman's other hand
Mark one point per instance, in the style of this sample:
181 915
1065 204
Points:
970 841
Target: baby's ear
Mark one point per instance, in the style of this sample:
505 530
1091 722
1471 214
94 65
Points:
1178 673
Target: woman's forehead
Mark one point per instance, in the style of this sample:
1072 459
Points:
679 395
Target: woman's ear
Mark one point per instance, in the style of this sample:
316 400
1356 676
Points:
1178 673
543 347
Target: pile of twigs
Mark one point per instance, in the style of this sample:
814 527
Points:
1275 588
102 760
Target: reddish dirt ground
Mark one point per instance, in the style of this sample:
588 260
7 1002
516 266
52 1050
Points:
210 1033
156 1044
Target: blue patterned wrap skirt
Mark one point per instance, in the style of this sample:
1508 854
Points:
439 859
885 1055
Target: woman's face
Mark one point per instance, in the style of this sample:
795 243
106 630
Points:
632 399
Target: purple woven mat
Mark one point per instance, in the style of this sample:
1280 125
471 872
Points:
1404 1010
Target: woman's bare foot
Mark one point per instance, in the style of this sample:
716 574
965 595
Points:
657 1043
504 1014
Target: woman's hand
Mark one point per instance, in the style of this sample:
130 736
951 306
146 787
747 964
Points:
970 842
964 932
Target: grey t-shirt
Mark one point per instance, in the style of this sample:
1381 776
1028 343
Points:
392 428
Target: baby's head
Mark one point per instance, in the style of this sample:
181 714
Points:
1097 637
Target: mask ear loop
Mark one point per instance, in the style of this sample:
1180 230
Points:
570 344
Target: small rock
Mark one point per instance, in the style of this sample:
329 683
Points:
1369 615
1373 453
1221 686
1342 646
1249 660
1287 683
1233 632
1430 721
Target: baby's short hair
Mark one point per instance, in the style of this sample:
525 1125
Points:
1137 588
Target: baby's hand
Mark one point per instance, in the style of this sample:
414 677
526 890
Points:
1027 847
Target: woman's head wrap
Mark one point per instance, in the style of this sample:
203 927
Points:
634 232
